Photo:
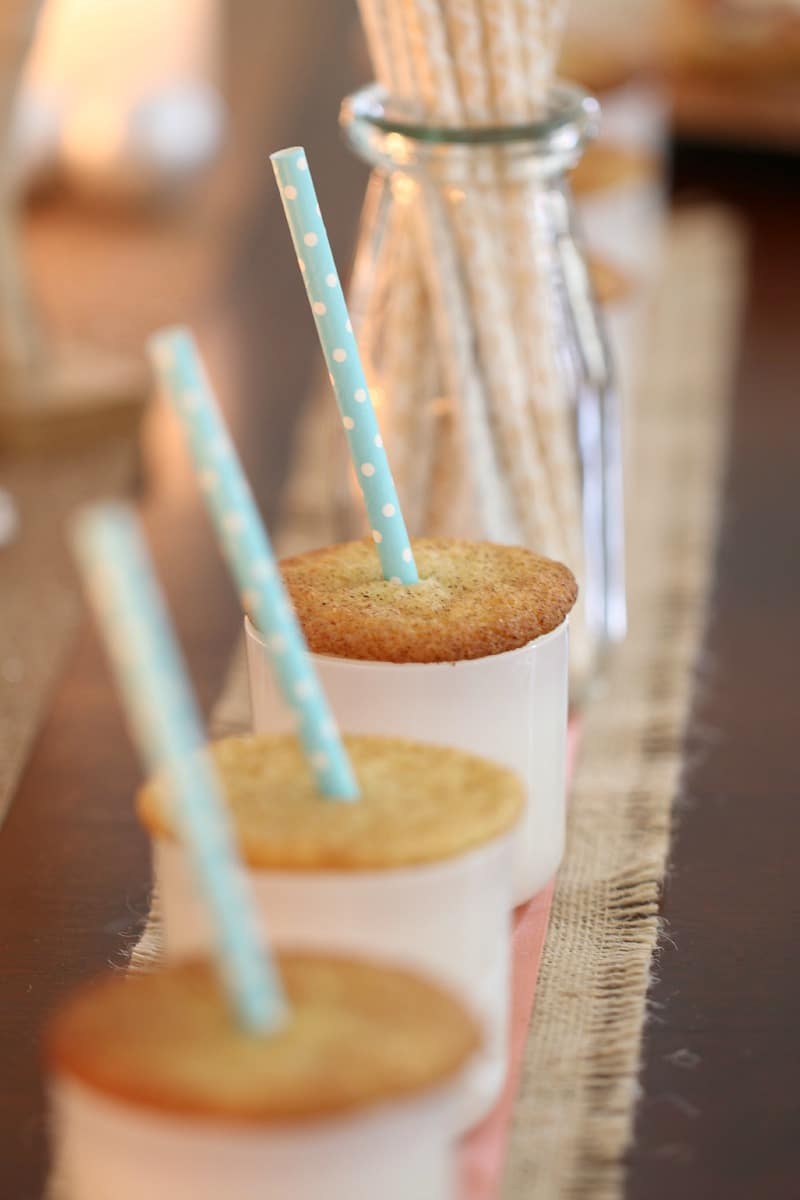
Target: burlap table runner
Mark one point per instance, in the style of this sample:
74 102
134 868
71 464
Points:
574 1113
575 1109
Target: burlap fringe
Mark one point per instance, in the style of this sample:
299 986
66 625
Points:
574 1116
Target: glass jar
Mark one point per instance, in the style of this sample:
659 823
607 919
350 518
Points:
487 360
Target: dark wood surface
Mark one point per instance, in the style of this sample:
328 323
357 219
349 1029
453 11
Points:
717 1117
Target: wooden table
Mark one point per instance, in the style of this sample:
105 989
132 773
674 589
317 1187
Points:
717 1118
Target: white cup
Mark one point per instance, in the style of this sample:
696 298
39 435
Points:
107 1148
510 708
447 920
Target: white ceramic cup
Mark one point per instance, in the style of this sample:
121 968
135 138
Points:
106 1148
447 920
510 708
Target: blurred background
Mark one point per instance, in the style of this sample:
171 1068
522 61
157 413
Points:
136 192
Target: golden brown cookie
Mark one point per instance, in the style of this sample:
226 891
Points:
473 599
419 803
357 1035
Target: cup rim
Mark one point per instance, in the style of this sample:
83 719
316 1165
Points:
392 876
568 104
254 635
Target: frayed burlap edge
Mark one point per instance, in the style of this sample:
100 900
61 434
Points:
574 1115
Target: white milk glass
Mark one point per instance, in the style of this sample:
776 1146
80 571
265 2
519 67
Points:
510 708
106 1149
625 223
447 920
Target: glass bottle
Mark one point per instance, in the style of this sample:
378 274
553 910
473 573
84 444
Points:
483 343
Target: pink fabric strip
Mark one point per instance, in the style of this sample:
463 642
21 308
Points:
483 1151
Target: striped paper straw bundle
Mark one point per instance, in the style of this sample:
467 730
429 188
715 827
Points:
167 730
510 428
428 258
343 360
248 552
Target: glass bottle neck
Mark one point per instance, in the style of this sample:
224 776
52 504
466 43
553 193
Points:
387 134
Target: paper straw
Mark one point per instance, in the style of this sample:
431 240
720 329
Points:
505 54
167 729
247 549
344 364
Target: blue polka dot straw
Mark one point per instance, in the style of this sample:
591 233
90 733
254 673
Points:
247 549
167 729
344 364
